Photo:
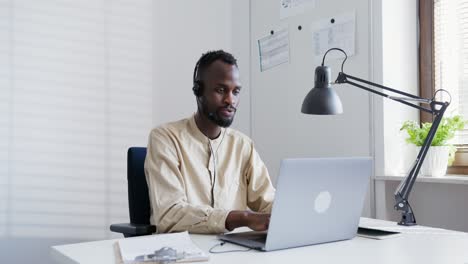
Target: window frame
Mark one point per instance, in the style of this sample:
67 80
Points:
426 77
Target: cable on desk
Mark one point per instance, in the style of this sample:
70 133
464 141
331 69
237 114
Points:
226 251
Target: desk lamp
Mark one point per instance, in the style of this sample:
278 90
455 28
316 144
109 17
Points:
322 100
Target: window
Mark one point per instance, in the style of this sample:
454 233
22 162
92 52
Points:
444 63
75 93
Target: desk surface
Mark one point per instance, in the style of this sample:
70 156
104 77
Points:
416 245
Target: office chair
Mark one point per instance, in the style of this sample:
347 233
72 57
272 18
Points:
138 198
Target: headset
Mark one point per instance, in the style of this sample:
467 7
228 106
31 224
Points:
197 84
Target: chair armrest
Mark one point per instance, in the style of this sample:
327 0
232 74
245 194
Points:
129 230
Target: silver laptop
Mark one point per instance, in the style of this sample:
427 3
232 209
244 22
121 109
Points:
317 200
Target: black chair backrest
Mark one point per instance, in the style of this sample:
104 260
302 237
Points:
138 198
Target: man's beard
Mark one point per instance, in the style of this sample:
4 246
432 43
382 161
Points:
215 118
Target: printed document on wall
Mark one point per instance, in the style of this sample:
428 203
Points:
335 32
274 49
290 8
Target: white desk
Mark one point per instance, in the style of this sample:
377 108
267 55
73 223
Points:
417 245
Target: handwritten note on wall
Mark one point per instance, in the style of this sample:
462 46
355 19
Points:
290 8
335 32
274 49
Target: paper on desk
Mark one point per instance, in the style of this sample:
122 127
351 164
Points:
130 248
417 229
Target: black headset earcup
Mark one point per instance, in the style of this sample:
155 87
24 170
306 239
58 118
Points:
197 88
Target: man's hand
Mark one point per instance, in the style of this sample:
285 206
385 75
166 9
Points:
253 220
258 221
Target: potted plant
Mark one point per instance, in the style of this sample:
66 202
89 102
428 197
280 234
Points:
441 153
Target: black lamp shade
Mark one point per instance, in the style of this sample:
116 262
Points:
322 99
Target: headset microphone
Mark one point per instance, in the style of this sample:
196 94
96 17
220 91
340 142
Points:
211 115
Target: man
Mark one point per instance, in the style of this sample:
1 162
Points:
202 176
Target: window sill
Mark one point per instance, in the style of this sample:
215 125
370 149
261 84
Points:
460 165
449 179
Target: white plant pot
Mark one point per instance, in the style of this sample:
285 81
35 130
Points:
436 161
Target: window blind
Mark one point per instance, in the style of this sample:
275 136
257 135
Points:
451 56
75 93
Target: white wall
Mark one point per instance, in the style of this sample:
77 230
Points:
400 71
185 30
279 129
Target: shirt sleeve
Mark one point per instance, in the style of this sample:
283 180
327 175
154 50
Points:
170 210
260 191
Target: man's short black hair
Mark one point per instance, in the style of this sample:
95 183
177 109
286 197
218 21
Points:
208 58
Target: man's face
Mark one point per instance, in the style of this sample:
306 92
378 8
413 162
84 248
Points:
221 89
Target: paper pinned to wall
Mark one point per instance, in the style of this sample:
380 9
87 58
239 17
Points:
274 49
290 8
335 32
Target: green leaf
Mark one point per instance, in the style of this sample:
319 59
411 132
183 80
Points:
446 131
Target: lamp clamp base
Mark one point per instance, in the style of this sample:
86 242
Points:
407 215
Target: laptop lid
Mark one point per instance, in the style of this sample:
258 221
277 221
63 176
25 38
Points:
318 200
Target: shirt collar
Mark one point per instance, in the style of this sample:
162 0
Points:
200 136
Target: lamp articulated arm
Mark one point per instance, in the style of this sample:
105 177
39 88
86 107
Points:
436 108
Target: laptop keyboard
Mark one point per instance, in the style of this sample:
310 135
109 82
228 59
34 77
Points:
257 238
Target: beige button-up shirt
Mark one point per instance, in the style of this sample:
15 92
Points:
194 182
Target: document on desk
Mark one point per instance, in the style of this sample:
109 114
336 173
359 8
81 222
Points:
177 247
376 233
417 229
